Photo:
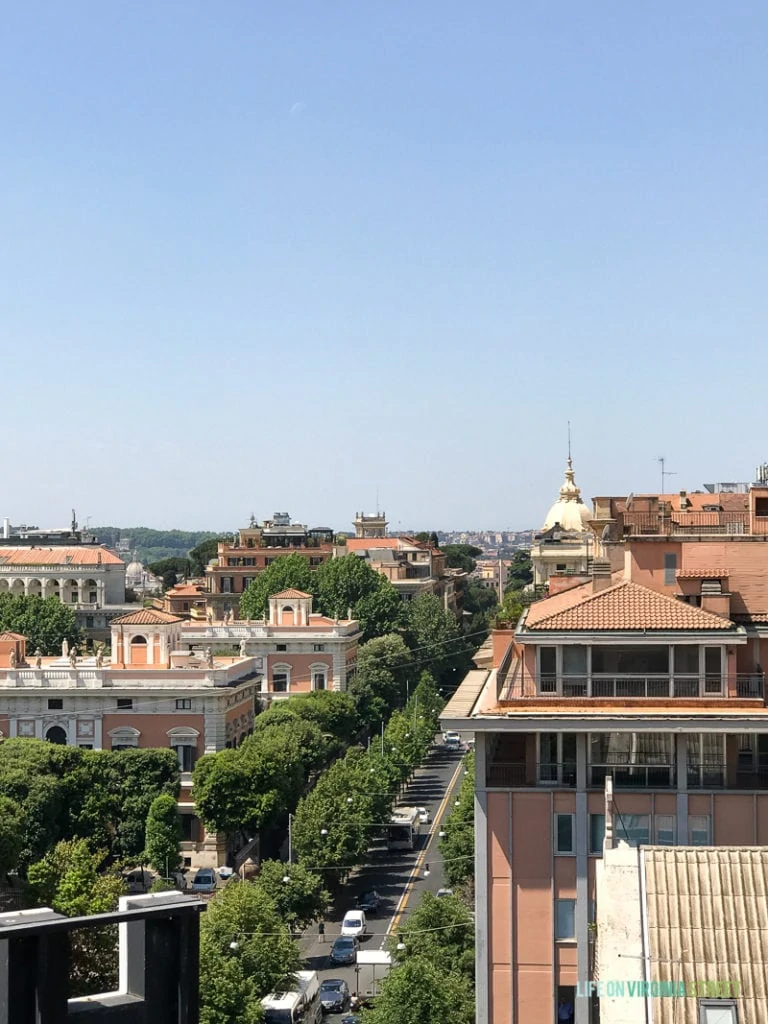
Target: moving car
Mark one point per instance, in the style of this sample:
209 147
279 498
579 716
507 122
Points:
369 901
354 924
204 880
452 740
444 892
334 995
423 815
344 950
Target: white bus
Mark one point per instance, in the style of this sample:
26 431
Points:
298 1005
404 827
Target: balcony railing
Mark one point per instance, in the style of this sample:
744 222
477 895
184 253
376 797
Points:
561 773
685 523
632 776
649 686
706 773
505 775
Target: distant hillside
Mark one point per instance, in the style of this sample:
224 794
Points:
152 545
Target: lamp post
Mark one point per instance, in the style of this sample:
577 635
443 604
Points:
290 838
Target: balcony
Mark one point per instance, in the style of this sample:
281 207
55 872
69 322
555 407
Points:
750 686
632 776
686 524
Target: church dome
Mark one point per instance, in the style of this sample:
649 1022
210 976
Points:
134 569
569 510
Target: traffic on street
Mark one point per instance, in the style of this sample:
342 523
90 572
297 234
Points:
379 895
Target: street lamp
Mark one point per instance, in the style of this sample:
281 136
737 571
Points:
323 831
286 878
400 943
426 870
442 834
234 945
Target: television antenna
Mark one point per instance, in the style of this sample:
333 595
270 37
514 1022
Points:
664 472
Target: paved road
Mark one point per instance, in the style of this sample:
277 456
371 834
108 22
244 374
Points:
398 877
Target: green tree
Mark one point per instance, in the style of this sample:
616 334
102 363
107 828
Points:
520 570
441 930
457 846
45 622
299 900
334 713
12 826
419 992
170 570
163 835
286 572
435 638
349 582
69 880
461 556
243 942
383 667
201 555
510 609
379 612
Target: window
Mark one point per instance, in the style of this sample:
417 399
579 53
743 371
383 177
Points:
93 597
548 669
186 755
596 833
281 647
227 584
89 622
699 830
633 829
318 647
560 567
713 670
188 824
565 919
557 758
280 682
85 746
706 759
124 703
318 680
247 581
55 704
184 704
666 828
670 569
563 832
718 1011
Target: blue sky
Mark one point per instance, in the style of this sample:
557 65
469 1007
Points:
283 256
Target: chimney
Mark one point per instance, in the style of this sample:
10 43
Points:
6 528
684 502
601 574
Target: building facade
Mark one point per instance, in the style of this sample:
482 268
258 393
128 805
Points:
257 546
150 694
296 650
412 567
648 678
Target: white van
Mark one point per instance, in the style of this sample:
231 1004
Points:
300 1005
452 740
354 924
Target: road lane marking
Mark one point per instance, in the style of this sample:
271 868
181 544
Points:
400 909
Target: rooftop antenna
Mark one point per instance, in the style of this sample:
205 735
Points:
569 442
664 472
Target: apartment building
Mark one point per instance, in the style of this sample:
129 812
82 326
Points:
149 694
647 677
296 649
257 546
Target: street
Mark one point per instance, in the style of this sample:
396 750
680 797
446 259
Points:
398 877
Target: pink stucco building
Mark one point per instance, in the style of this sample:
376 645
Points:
647 671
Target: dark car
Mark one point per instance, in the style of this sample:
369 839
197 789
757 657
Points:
334 995
369 901
351 1018
344 950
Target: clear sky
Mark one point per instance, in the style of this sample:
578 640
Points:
281 256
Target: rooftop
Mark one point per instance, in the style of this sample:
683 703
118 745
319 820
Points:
624 607
58 556
146 617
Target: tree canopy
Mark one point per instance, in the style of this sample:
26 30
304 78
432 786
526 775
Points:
163 835
461 556
520 570
286 572
384 665
70 880
436 639
44 621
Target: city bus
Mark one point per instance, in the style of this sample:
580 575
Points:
404 827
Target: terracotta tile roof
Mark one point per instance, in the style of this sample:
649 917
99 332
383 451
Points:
708 906
706 574
146 617
58 556
624 606
12 636
291 593
361 543
186 590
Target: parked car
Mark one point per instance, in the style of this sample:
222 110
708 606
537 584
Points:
369 901
354 924
334 995
351 1018
344 950
444 892
204 880
225 871
423 815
